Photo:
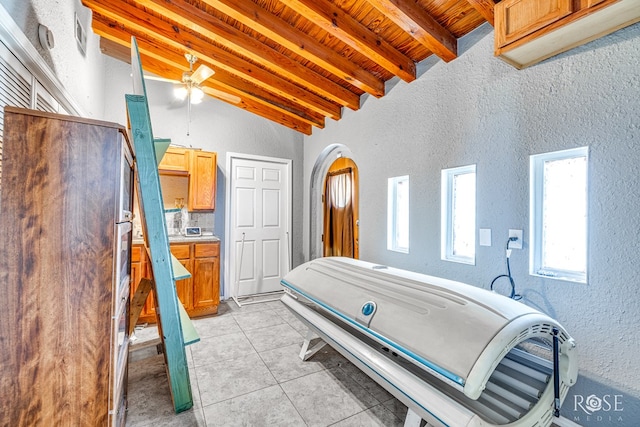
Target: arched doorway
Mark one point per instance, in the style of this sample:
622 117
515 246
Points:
321 168
340 209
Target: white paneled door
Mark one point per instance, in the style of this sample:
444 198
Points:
260 209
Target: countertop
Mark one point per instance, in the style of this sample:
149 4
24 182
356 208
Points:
182 239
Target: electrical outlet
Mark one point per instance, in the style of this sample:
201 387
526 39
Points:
517 244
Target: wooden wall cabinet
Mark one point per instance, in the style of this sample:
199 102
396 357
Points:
530 31
199 294
175 160
201 169
202 181
66 198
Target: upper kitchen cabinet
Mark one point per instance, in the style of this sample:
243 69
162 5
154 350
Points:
530 31
202 181
200 167
175 161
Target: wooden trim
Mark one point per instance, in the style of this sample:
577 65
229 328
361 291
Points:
64 117
340 171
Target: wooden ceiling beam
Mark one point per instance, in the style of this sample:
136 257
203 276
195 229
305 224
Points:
169 64
253 16
420 25
198 20
222 80
291 121
343 26
484 8
170 35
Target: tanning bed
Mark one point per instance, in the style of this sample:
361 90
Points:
454 354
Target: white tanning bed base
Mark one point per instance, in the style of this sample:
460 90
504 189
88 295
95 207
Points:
449 351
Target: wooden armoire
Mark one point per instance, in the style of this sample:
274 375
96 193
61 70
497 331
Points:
65 205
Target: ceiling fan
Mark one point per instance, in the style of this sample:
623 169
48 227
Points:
190 88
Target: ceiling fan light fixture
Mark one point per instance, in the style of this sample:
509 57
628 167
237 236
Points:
196 95
180 92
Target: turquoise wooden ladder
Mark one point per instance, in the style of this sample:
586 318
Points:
174 325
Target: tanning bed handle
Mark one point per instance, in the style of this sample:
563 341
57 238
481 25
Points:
556 373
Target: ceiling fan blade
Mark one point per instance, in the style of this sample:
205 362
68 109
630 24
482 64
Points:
201 74
222 95
162 79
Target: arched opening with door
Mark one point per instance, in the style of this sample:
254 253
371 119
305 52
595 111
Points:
340 209
335 160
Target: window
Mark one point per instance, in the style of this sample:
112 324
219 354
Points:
458 237
558 217
398 214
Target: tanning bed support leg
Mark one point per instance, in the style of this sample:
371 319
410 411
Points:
305 352
412 419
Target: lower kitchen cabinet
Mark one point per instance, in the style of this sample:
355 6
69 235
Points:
184 287
140 269
199 294
206 278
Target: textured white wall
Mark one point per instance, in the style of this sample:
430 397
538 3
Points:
81 74
477 109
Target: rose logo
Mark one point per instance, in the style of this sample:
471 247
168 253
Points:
593 404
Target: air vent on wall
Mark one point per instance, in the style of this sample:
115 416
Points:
81 36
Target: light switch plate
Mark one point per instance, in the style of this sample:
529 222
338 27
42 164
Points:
518 243
485 237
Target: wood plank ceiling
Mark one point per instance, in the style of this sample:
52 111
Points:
295 62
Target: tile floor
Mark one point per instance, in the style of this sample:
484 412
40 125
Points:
245 371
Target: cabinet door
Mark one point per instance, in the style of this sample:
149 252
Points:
515 19
184 286
149 310
182 252
139 269
176 160
135 277
206 282
202 181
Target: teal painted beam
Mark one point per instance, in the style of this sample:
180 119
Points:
155 234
